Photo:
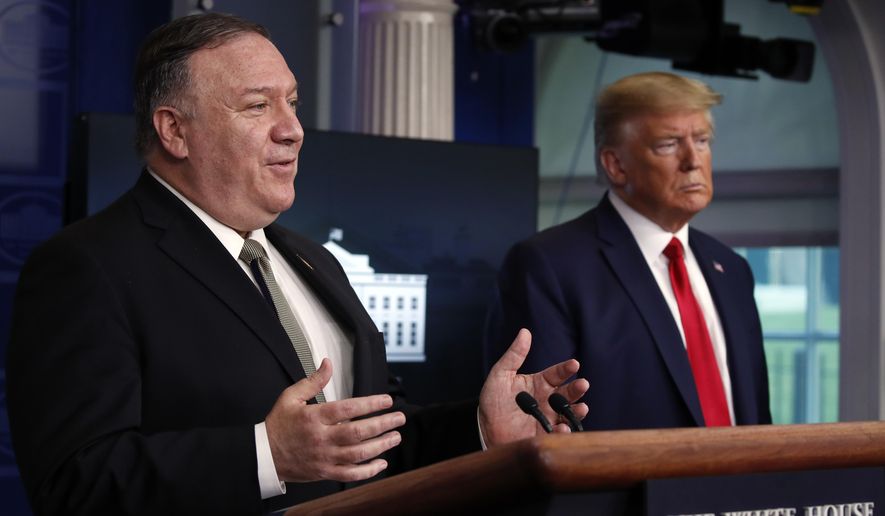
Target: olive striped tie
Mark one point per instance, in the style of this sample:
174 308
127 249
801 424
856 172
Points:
253 254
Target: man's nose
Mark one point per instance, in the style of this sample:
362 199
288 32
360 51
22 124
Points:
287 128
690 158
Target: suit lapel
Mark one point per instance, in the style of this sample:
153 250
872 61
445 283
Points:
727 306
330 291
334 291
626 260
187 241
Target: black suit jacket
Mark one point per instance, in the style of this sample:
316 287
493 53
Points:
142 356
585 291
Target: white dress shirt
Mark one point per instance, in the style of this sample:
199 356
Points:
652 240
325 337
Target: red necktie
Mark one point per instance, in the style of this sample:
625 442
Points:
697 340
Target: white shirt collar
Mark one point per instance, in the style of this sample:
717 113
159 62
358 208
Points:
652 238
229 237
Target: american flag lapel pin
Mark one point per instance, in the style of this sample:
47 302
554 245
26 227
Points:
718 266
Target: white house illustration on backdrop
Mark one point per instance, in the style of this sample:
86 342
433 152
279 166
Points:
396 302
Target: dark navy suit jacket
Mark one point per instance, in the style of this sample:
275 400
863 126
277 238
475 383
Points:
585 291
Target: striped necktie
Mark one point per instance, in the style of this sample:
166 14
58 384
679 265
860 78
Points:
253 254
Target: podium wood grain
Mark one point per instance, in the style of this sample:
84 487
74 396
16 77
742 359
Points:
592 461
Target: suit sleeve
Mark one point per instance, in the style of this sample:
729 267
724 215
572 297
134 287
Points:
530 295
74 400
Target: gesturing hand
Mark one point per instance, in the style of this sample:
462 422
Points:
500 419
323 441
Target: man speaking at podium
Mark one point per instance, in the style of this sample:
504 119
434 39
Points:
178 353
661 316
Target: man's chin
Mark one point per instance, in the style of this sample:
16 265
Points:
696 204
278 208
285 204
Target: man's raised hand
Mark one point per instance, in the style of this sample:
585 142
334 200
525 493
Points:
324 441
500 419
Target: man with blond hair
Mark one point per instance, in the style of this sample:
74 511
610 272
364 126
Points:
660 315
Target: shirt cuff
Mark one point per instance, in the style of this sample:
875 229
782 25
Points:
482 441
268 481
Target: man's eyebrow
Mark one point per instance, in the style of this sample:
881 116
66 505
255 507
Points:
264 90
669 134
256 91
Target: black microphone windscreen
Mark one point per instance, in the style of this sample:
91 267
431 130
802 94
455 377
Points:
526 402
529 405
558 402
562 407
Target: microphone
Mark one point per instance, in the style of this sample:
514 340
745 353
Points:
529 405
562 407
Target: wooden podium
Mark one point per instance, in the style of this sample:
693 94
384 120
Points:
522 477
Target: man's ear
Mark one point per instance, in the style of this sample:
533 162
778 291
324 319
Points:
614 170
170 131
